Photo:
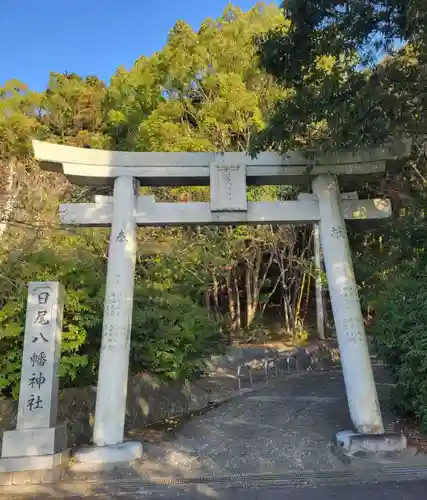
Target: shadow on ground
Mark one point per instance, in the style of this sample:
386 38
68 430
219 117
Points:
279 434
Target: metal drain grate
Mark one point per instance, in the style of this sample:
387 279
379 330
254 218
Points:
290 478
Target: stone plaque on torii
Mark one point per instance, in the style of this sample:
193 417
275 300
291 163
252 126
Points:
228 175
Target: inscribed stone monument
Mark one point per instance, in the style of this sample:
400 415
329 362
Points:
36 430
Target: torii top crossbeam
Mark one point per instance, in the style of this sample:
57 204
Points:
92 167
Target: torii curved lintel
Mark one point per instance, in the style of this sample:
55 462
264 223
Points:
100 167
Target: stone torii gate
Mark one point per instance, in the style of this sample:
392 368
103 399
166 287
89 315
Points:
228 175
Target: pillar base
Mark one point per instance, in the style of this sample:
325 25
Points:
93 458
353 444
33 469
34 442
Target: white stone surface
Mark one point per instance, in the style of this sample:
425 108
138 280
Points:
357 369
57 153
176 214
117 322
98 167
38 395
42 462
312 197
33 442
38 444
142 201
352 443
37 433
103 455
228 187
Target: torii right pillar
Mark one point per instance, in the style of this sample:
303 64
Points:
356 364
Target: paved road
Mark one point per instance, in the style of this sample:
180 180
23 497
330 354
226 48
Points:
391 491
407 490
287 426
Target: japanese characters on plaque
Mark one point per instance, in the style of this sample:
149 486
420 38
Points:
228 187
38 395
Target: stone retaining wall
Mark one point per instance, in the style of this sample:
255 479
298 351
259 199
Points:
151 400
318 355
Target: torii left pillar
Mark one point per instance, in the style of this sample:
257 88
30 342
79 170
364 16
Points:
116 330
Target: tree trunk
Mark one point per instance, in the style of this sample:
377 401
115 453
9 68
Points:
254 285
215 291
208 301
286 309
300 296
232 327
238 308
250 313
11 195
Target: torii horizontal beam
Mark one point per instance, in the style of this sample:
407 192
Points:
149 213
93 167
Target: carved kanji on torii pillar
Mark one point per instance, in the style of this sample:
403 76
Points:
228 175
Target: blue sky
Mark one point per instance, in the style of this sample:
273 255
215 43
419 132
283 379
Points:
90 36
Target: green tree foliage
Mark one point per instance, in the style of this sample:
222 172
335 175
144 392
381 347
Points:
399 334
83 279
73 110
328 60
204 91
348 84
171 333
19 110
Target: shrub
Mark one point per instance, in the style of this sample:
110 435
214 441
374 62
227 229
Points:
171 334
400 335
82 316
